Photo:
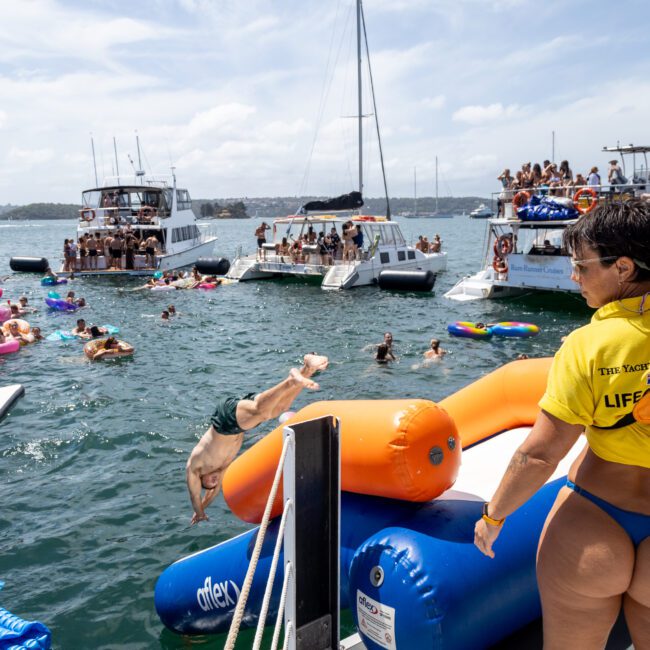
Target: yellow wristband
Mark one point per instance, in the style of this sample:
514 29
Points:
489 520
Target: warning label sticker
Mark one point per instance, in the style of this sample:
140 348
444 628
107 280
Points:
376 621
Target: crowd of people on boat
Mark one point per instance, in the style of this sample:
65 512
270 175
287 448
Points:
558 180
311 247
118 248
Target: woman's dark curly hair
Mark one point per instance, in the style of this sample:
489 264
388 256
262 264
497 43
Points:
615 229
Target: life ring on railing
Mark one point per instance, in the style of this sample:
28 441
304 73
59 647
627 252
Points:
520 199
499 264
582 192
503 246
87 214
146 212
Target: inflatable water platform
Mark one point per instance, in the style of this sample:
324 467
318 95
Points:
409 570
17 634
9 395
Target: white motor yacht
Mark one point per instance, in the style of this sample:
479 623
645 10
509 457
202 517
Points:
524 251
482 212
383 248
145 206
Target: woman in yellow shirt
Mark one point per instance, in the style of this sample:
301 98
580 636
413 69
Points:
594 552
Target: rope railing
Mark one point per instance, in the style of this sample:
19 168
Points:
271 579
248 580
288 574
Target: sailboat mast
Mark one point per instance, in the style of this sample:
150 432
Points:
359 97
436 183
117 165
415 189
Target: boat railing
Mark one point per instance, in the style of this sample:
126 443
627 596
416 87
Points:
206 232
112 217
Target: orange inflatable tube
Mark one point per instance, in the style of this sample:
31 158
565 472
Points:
504 399
388 449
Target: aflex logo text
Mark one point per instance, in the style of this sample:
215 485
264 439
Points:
368 605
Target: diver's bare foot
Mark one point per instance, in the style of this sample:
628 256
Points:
313 363
303 381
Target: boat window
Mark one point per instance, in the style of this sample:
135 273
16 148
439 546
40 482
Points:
388 236
91 199
401 256
168 198
183 199
399 238
174 235
384 258
411 255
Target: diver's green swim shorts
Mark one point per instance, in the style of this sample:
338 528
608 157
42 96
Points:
224 418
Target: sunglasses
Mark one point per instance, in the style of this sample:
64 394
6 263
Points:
576 265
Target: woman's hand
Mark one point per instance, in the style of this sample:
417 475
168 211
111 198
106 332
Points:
484 536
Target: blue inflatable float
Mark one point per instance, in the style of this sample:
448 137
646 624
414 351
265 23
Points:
49 281
60 305
16 634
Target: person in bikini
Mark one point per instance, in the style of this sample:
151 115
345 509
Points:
233 416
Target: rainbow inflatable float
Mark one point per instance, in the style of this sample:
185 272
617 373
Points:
407 508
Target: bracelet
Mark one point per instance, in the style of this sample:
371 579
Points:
489 520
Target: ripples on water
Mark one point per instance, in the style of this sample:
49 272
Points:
94 504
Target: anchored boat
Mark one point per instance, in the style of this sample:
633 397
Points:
141 206
524 249
383 248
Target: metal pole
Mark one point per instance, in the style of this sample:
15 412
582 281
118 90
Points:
552 146
360 98
436 183
92 144
117 165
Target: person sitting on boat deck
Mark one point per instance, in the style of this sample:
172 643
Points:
151 243
418 245
81 330
283 248
501 268
435 352
164 315
296 252
260 234
426 247
382 355
436 244
593 557
25 307
232 417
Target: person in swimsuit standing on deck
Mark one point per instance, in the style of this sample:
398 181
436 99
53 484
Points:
594 552
233 416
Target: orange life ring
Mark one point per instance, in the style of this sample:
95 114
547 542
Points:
503 246
86 211
520 199
146 211
499 264
579 194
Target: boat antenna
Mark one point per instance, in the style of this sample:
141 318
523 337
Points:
139 171
92 145
415 190
374 107
117 165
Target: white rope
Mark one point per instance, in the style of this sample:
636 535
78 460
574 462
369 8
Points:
288 571
248 580
287 635
269 583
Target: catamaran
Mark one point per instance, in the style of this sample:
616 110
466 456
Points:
379 246
524 251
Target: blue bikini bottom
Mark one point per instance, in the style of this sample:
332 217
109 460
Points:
635 524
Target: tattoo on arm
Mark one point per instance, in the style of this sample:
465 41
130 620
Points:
518 460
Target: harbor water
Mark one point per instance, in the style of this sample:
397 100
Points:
92 458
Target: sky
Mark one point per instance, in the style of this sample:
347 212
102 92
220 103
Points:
253 98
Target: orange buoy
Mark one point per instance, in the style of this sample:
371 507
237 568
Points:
400 449
585 191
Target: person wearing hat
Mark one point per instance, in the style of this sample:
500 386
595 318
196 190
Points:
615 174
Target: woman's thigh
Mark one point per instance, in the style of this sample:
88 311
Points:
585 563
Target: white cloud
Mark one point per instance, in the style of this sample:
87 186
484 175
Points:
434 103
477 115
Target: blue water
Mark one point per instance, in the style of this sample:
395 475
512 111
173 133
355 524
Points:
92 459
